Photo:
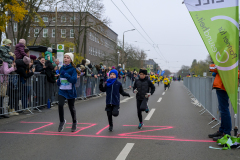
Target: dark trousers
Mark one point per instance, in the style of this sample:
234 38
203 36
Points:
71 102
112 110
226 122
166 86
139 112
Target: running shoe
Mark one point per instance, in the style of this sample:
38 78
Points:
110 128
140 125
61 126
74 126
147 110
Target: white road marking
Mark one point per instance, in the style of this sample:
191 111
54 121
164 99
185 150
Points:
126 150
163 93
159 99
150 114
125 100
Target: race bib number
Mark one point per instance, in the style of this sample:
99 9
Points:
166 81
65 85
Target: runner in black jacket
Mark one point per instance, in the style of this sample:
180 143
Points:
141 88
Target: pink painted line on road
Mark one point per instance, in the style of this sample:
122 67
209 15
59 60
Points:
102 130
120 137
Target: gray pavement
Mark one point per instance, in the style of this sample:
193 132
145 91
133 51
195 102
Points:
174 131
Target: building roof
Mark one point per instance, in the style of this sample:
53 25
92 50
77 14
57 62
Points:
40 49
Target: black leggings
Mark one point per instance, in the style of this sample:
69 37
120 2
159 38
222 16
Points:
61 101
139 112
112 110
110 121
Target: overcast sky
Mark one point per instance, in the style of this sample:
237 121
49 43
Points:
168 24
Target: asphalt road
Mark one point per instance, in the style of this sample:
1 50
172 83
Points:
174 130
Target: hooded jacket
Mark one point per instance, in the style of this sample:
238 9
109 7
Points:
47 53
19 51
113 92
217 84
71 76
22 70
39 67
49 71
142 86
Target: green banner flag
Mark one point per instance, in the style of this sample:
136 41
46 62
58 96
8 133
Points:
217 23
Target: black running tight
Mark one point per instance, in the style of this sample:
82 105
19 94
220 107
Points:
61 101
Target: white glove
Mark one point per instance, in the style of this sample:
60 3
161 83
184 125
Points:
135 91
148 95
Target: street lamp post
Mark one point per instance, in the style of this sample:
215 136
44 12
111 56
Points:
118 57
123 37
56 23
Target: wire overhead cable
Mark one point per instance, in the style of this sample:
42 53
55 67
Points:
143 29
136 28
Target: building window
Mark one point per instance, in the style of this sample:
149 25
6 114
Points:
63 19
63 33
45 33
53 32
36 32
91 50
71 33
36 19
15 27
71 50
14 42
72 19
90 35
45 19
53 45
53 19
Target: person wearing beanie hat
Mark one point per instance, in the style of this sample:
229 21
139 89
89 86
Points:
20 49
4 52
33 57
22 41
113 89
48 54
26 60
67 91
141 89
25 73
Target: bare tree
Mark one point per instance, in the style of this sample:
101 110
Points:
83 10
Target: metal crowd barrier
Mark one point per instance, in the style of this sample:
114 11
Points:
17 94
202 95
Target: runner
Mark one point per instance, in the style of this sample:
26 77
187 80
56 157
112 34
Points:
141 88
166 82
113 88
67 90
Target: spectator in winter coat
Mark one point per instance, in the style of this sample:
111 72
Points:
48 54
22 68
19 49
49 71
4 71
40 65
4 52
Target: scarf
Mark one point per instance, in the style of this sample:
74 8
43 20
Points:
110 82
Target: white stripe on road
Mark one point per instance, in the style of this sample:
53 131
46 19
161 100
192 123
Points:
163 93
125 100
159 99
150 114
123 155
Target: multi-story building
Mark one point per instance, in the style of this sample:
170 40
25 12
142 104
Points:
152 65
72 27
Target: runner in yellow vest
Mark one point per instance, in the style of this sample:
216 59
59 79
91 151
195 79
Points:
166 82
152 78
